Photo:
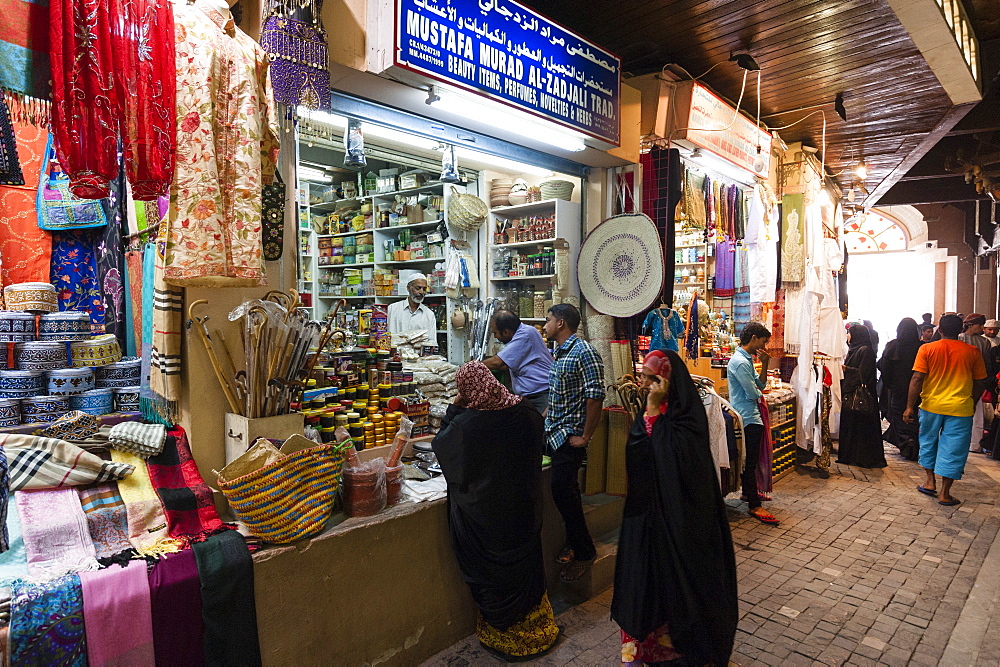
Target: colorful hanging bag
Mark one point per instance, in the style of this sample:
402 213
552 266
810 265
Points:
58 208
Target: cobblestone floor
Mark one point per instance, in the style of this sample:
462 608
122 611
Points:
863 570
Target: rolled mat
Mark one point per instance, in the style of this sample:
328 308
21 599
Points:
618 428
597 457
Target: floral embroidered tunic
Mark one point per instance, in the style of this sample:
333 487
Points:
227 149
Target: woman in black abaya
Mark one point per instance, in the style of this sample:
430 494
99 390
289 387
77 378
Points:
896 366
675 594
861 431
490 449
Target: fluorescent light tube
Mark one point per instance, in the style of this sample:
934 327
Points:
502 163
512 120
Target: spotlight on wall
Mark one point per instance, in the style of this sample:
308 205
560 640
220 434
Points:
838 106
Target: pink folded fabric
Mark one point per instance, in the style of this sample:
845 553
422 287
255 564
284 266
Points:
55 532
119 622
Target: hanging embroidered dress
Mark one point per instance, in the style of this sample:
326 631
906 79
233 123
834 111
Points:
227 148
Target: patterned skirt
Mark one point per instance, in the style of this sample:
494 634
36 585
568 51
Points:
536 633
656 647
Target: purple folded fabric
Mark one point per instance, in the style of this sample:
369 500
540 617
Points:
175 597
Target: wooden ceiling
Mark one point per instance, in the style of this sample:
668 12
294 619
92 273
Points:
808 50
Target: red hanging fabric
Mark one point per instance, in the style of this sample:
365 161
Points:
84 103
146 84
96 100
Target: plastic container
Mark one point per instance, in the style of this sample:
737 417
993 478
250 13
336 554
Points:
393 485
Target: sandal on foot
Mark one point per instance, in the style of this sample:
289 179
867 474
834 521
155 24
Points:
950 503
765 517
926 491
576 570
565 556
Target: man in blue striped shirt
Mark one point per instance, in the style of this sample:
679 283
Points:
576 397
745 389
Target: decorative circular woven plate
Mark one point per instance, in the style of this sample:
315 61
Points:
620 267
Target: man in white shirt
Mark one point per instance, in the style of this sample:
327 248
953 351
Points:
410 313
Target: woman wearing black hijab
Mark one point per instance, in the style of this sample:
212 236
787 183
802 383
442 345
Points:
861 430
675 594
896 366
873 335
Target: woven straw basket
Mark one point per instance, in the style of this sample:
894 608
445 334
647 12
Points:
465 211
290 499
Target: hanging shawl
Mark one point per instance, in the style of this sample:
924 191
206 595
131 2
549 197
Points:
725 269
793 256
55 533
111 262
187 500
227 600
26 250
175 601
694 199
675 554
168 319
119 623
147 523
46 623
691 343
74 274
10 164
24 54
765 464
707 193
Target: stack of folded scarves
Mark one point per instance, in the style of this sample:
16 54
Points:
143 440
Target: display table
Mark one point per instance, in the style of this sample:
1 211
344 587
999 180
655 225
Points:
105 420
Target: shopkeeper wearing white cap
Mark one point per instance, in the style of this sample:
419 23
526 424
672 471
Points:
411 313
990 330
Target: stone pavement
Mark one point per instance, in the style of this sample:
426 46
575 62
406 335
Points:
863 570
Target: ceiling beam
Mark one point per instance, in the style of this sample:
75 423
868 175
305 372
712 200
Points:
917 192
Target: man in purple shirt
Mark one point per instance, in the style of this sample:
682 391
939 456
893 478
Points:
524 355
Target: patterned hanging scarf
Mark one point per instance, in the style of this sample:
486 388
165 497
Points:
46 623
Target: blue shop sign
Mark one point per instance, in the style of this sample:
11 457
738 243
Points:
510 53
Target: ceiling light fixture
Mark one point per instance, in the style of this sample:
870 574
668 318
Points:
861 171
313 174
745 60
511 120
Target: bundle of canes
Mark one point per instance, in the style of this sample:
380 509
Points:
213 356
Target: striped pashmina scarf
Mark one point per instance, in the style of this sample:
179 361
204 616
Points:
47 463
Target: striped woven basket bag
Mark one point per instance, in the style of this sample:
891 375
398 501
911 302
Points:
291 498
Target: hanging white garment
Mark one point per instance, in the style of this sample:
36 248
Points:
762 245
716 430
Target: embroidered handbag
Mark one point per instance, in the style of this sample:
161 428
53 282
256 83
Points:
273 217
60 209
299 72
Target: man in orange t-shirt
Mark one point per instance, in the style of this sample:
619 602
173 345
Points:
949 376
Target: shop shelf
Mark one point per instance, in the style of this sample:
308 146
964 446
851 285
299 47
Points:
346 266
342 234
532 319
412 225
403 296
689 263
501 280
696 245
544 205
521 244
337 296
425 260
331 206
409 191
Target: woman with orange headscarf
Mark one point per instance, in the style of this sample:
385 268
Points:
490 449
